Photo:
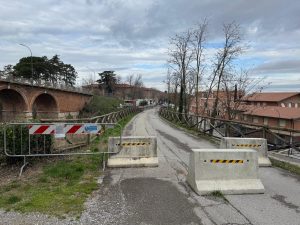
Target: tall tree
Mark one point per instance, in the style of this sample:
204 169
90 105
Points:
225 56
108 79
44 70
181 55
198 41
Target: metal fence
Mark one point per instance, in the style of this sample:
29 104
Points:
58 137
280 140
112 117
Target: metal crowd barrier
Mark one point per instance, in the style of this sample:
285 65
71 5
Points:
36 139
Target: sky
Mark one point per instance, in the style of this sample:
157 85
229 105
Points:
132 36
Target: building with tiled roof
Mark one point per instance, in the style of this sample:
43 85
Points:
277 109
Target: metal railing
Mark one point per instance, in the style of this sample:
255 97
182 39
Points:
281 140
112 117
44 84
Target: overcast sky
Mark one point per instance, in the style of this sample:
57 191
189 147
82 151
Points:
131 36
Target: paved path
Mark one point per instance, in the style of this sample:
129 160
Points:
161 196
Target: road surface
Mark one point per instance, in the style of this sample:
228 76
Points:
161 195
152 196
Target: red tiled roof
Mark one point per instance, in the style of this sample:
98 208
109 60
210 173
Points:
272 111
270 96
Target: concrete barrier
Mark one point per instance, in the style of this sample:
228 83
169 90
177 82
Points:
133 152
258 144
231 171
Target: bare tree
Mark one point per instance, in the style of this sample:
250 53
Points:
181 55
138 81
118 79
190 86
129 79
231 49
175 83
168 82
198 41
89 80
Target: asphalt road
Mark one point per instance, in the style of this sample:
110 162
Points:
161 195
152 196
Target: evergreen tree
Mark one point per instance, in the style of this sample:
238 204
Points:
109 80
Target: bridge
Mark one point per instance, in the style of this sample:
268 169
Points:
20 99
162 194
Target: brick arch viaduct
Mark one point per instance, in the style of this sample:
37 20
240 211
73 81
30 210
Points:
27 101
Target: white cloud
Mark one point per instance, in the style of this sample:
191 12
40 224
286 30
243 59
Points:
120 35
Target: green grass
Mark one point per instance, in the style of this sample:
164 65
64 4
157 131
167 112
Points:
100 105
286 166
218 194
62 187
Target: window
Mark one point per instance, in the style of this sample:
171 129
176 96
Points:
258 104
290 105
266 121
282 123
255 119
264 104
296 105
282 105
245 117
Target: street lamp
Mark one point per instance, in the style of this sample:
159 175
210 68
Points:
30 60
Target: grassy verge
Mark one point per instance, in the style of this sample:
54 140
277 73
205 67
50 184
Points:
100 105
286 166
62 187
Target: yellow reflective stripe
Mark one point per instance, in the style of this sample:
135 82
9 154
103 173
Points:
227 161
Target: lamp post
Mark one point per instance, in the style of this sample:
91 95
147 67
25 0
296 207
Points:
30 60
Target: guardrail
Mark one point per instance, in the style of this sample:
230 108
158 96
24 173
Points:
286 141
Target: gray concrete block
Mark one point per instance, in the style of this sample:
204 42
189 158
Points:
258 144
231 171
134 151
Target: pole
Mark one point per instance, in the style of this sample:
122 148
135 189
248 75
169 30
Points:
30 60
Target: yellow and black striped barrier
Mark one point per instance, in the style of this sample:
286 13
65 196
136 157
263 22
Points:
226 161
129 144
135 151
246 145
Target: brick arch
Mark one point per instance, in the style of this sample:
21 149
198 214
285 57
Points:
44 104
36 95
20 92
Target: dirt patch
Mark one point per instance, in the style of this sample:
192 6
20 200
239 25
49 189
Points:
10 173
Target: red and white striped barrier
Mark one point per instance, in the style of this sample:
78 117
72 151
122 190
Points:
64 129
74 129
42 129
